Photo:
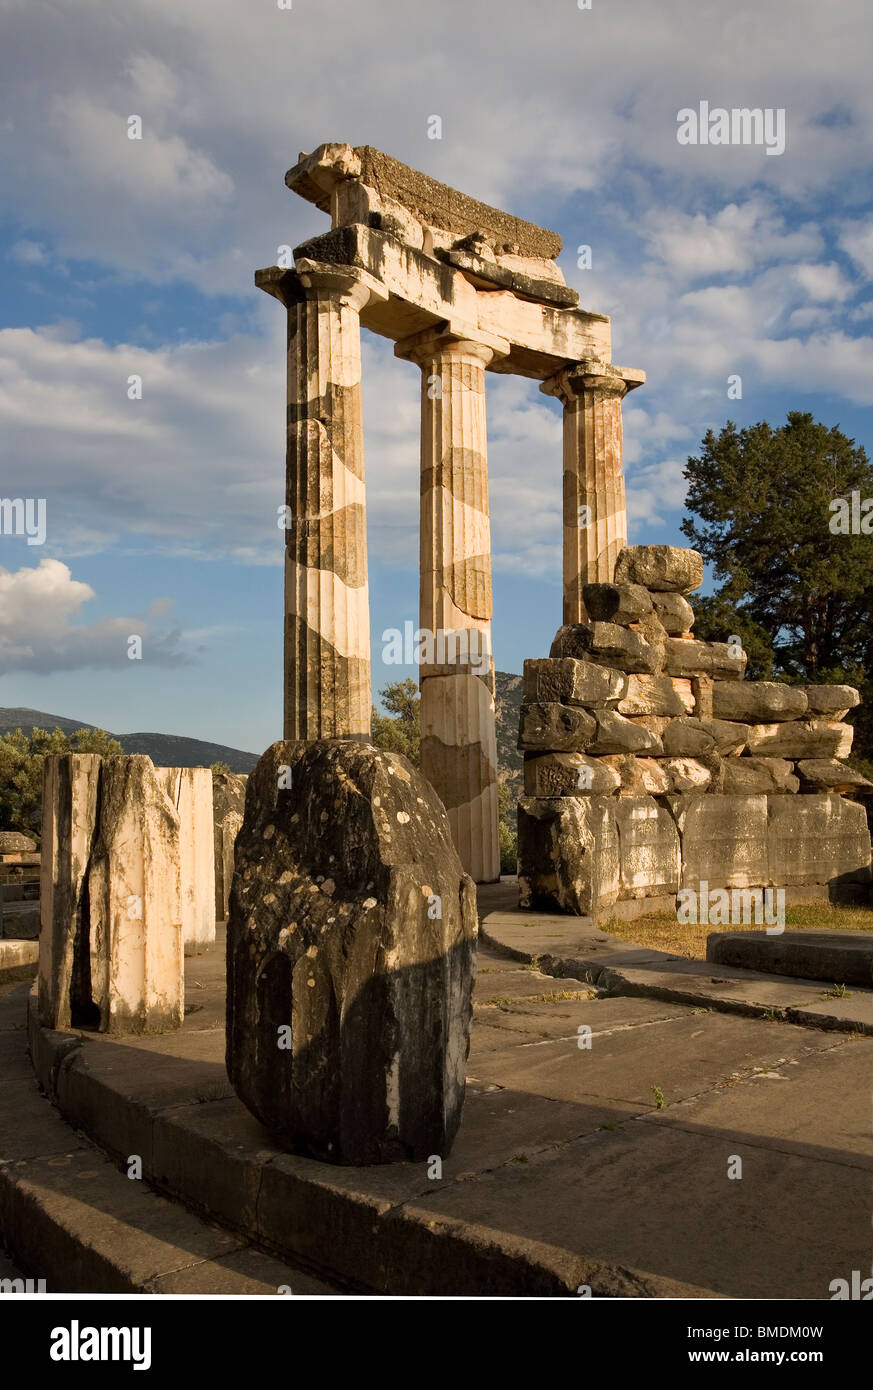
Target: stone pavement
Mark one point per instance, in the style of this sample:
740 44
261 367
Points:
603 1166
70 1216
566 945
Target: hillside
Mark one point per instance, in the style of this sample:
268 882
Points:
172 750
165 750
509 760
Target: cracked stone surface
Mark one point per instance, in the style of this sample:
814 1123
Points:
605 1162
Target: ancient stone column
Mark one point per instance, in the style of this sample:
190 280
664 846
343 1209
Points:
190 790
458 736
327 620
71 789
137 966
110 901
595 514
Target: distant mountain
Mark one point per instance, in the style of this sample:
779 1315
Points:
508 707
165 750
171 750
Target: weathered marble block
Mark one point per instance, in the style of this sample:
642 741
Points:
758 702
616 603
190 790
833 700
812 738
652 631
687 738
670 568
686 656
692 738
568 774
608 643
657 695
615 734
639 776
12 842
350 956
830 775
572 682
568 854
134 890
724 840
753 774
649 847
551 727
686 774
817 839
71 784
674 611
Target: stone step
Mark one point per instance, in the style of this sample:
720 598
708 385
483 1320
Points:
387 1228
69 1216
567 946
18 959
835 956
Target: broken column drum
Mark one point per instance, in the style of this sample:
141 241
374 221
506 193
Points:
350 956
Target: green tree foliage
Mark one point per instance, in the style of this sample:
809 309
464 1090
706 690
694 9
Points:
220 768
507 827
21 759
399 731
799 594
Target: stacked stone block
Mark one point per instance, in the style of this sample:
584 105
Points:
637 735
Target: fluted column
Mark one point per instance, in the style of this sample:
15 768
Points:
458 733
595 512
327 617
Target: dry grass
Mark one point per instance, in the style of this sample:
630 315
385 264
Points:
661 932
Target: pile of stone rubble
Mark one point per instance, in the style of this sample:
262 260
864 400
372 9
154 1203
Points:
630 716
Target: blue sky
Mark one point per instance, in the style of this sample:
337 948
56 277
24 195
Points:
120 257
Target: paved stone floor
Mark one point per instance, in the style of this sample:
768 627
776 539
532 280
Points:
596 1128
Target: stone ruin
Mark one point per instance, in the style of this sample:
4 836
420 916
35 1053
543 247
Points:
651 766
461 288
648 765
350 956
127 890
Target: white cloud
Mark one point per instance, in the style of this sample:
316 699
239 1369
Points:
28 252
566 101
856 239
733 240
197 466
41 631
733 272
824 283
653 492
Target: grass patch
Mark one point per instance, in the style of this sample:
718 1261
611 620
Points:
661 931
559 997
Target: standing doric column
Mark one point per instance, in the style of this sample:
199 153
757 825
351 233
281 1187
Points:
458 734
595 514
327 618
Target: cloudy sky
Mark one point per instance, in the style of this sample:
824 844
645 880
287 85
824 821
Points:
121 257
